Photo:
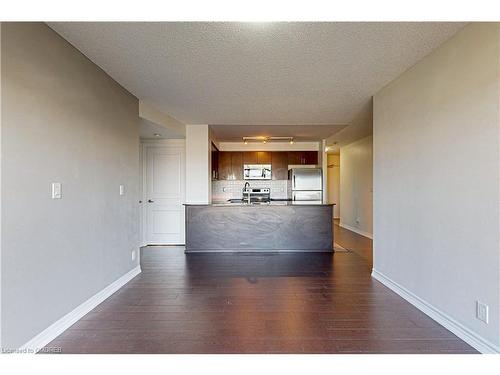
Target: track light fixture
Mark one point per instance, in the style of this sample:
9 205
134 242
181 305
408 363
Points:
263 139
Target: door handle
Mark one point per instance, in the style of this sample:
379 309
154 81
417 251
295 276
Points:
150 201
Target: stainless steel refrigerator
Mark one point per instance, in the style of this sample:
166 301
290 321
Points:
307 185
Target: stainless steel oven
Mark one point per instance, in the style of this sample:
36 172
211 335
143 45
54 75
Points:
257 172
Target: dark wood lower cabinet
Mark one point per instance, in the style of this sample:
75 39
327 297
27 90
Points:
258 303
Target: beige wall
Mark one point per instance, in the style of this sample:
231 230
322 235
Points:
63 120
356 186
437 182
333 182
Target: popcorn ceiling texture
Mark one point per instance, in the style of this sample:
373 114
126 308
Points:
288 73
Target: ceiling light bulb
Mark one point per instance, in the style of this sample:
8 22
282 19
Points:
264 141
291 141
246 142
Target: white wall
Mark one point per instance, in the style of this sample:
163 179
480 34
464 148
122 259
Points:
63 120
198 159
333 184
437 182
356 186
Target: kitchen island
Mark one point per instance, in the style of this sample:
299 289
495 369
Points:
273 227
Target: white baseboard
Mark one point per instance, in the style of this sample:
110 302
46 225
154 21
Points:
356 230
50 333
442 318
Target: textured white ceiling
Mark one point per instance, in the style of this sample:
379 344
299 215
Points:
256 73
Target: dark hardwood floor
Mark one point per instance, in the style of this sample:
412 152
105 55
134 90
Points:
286 303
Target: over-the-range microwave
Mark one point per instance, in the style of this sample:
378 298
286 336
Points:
257 171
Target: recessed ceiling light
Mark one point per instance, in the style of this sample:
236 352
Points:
157 135
291 141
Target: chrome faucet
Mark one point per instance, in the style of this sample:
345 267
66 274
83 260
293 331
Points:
247 186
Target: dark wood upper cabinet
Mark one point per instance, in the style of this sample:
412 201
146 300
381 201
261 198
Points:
310 157
225 170
237 165
302 157
256 157
279 165
263 157
215 162
294 157
250 157
215 165
230 164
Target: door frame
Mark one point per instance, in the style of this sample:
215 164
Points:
144 146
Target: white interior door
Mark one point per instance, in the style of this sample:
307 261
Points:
164 194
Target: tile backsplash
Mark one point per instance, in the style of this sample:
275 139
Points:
223 190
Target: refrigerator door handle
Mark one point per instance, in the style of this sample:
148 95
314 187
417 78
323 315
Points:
294 181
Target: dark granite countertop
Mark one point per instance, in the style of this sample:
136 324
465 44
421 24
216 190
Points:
272 203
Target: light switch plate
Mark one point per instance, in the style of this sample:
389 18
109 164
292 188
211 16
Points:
56 190
482 312
122 189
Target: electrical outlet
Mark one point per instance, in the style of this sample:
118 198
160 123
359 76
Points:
133 254
482 312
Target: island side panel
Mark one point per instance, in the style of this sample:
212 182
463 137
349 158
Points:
259 228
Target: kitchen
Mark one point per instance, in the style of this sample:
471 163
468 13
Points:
262 201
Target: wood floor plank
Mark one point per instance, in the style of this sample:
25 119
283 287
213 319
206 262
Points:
258 303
